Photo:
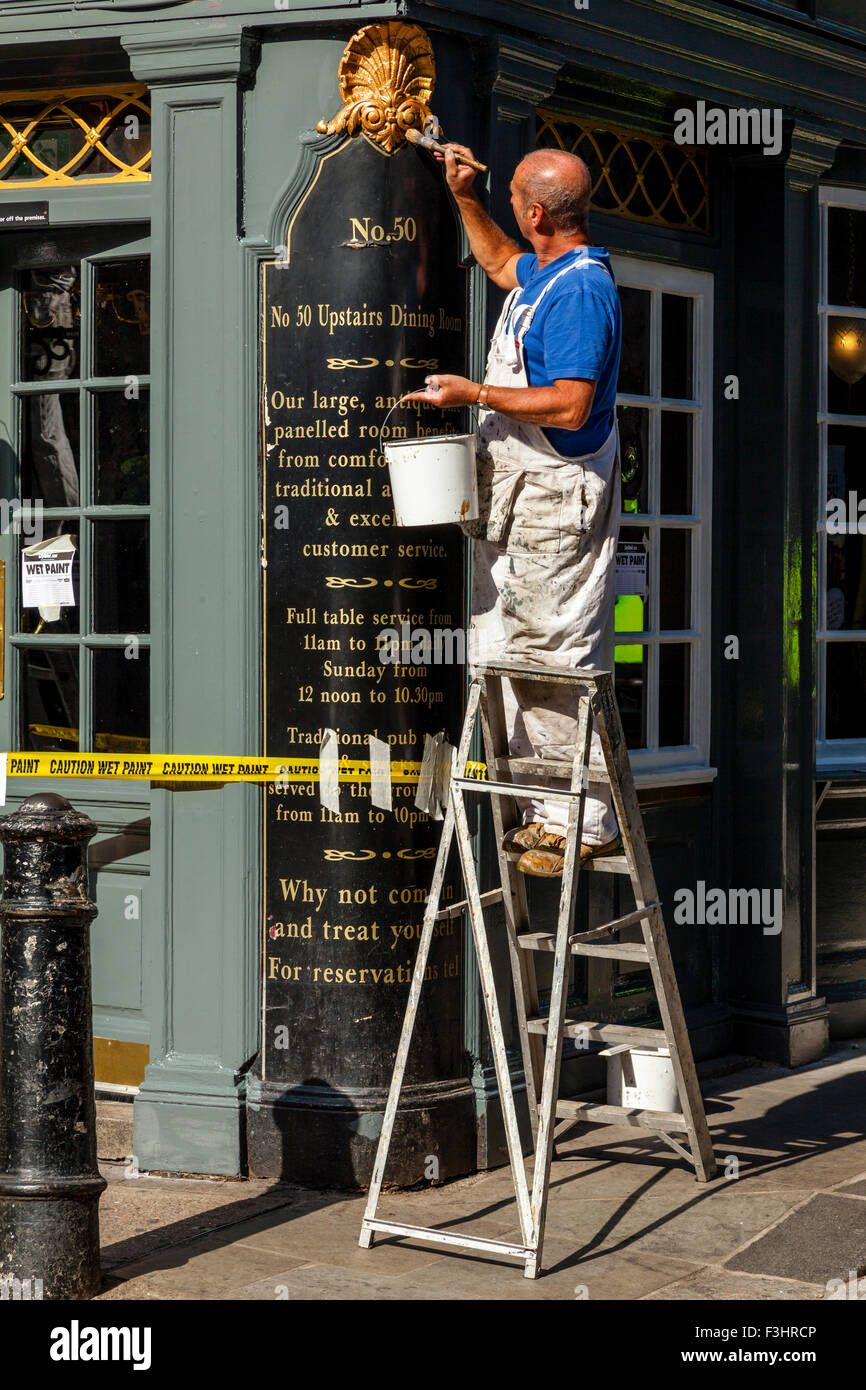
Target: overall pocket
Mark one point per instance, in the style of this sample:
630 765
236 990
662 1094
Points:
536 518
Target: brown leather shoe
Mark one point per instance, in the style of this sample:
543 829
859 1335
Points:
523 837
588 852
541 863
547 862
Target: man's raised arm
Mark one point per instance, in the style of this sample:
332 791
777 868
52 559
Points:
495 252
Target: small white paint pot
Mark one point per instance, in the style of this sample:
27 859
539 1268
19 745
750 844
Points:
641 1078
434 480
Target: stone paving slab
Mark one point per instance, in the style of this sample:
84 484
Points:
333 1282
714 1285
820 1241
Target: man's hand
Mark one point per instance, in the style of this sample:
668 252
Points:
459 177
446 391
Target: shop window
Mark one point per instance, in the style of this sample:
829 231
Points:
81 642
84 135
841 616
662 615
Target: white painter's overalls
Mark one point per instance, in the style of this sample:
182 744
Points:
545 566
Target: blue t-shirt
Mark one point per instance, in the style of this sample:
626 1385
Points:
576 332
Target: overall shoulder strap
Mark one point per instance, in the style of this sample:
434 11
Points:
580 259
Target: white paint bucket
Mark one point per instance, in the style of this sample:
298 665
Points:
641 1078
434 479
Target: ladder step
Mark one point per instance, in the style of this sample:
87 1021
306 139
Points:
614 950
457 909
538 673
618 923
594 1114
396 1228
604 1032
546 767
477 784
607 864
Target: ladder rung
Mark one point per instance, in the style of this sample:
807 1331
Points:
476 784
605 864
396 1228
538 673
546 767
613 950
457 909
618 923
604 1032
592 1113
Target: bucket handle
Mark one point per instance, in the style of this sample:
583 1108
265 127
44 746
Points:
400 402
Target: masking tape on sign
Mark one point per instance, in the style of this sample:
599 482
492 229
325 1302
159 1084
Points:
172 767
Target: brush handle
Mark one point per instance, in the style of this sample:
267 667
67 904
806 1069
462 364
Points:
430 144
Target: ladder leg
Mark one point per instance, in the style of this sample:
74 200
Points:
559 990
655 937
515 906
366 1237
494 1020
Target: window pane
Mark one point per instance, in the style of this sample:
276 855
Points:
50 324
49 699
674 579
677 378
47 617
674 694
634 370
846 582
846 463
846 268
121 576
122 317
676 463
634 447
846 690
122 446
121 702
631 682
846 375
50 443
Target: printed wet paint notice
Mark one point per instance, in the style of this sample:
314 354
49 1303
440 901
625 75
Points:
631 568
46 574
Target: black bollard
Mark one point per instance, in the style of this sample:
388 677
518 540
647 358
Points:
49 1180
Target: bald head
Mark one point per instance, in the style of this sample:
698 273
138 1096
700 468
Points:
560 183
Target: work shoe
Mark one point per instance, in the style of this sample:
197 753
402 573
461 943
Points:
523 837
546 860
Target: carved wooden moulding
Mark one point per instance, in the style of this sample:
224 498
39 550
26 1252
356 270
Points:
386 79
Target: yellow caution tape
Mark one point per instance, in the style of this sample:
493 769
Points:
198 768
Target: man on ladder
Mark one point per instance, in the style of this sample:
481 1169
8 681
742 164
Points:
545 554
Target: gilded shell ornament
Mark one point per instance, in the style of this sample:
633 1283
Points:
386 79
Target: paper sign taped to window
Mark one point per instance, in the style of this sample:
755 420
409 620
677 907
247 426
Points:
631 568
46 573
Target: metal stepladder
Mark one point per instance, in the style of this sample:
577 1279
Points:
542 1059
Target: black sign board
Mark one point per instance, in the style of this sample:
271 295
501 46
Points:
23 215
369 298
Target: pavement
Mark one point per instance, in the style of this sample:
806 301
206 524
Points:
786 1218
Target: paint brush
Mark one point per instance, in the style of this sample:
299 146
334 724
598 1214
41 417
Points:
439 146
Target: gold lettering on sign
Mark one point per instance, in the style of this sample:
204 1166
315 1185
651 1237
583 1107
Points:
386 79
